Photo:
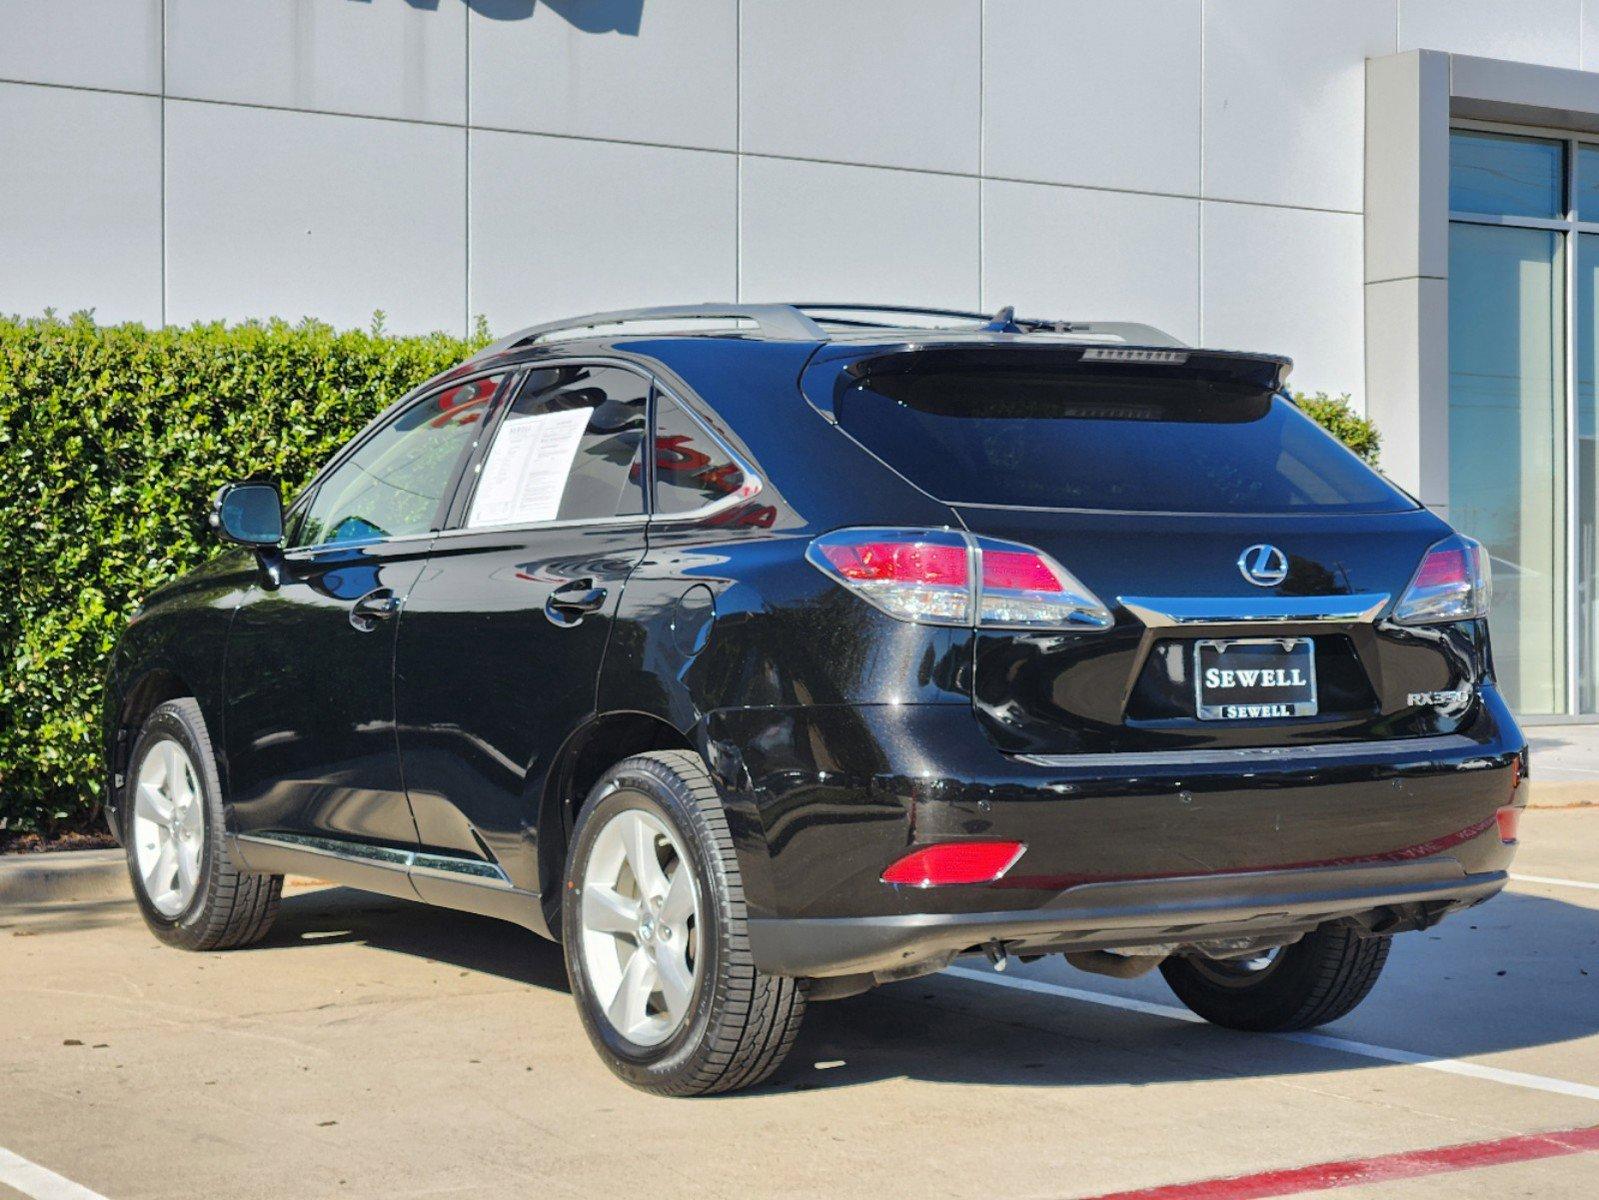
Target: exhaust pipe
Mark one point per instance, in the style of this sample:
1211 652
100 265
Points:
1117 966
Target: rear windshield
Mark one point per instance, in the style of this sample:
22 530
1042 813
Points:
1123 441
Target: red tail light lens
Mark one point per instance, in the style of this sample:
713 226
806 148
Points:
1509 824
921 575
941 577
1018 570
899 562
954 862
1024 588
1453 583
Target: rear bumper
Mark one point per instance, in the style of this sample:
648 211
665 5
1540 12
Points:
1385 898
1121 850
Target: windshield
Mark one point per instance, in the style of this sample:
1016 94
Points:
1115 441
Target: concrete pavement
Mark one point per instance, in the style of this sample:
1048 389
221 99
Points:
1565 764
376 1048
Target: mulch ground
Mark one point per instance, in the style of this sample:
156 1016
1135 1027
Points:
38 843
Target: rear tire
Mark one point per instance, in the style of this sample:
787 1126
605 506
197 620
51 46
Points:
191 890
732 1025
1317 979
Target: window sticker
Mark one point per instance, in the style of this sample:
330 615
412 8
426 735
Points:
525 474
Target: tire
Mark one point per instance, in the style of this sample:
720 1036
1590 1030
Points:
1317 979
224 907
737 1024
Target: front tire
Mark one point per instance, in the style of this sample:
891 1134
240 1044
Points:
656 936
193 894
1317 979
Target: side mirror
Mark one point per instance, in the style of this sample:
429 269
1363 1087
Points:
250 514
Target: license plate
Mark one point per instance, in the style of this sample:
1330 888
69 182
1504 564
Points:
1251 679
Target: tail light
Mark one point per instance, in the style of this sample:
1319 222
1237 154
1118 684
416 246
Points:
1453 583
941 577
954 862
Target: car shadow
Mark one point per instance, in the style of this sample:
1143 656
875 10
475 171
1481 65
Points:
1520 972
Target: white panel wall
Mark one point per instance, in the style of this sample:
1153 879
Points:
84 43
1535 31
821 232
1095 92
1097 255
329 217
893 82
1288 280
80 187
561 225
654 71
1285 92
1196 164
376 59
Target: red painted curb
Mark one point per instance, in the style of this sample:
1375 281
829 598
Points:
1408 1165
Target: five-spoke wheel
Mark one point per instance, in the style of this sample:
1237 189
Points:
168 826
657 935
641 922
191 889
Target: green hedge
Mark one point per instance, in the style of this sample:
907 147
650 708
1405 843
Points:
112 440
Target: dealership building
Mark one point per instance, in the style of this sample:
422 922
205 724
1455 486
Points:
1403 195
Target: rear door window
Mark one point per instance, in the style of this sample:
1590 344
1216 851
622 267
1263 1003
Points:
1114 441
570 448
691 470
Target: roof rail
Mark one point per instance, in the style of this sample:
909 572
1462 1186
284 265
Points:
773 320
809 307
795 322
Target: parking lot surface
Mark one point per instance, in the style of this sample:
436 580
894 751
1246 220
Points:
376 1048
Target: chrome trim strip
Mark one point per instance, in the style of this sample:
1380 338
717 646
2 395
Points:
448 866
1163 612
1260 756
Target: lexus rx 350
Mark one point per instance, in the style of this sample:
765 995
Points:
762 654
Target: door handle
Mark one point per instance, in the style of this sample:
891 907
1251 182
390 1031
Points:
377 605
571 602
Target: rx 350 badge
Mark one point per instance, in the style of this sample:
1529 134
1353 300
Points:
1450 699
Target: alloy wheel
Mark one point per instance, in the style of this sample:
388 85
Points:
1239 972
641 923
168 827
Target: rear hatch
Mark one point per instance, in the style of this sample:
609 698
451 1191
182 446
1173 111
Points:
1248 559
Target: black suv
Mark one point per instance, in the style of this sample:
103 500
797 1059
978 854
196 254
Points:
766 653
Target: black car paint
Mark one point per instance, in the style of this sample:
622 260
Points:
840 736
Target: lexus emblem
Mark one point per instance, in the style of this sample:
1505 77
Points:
1263 565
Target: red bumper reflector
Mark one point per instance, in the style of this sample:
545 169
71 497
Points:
954 862
1509 823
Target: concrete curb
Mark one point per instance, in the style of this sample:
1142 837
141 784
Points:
64 875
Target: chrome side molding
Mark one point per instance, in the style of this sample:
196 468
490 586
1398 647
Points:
448 866
1165 612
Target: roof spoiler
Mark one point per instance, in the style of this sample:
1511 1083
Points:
837 367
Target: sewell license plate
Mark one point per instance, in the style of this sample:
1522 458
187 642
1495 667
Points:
1248 679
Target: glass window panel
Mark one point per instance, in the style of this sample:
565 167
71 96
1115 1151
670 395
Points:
393 485
1507 459
1587 467
569 449
1588 183
691 470
1511 176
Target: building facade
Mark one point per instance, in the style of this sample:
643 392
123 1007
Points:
1401 194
